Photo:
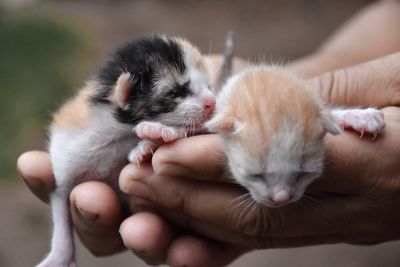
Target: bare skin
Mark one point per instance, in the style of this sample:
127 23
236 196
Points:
153 239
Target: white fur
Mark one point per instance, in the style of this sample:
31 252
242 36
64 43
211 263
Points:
368 120
98 152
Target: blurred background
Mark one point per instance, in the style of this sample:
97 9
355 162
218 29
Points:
48 48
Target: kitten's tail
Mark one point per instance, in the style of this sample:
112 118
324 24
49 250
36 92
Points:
226 67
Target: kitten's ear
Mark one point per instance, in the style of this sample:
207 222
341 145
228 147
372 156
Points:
329 123
222 124
122 90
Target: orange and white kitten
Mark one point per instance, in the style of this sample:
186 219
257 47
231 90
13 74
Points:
272 125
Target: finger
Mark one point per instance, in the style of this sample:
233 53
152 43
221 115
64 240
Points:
198 251
348 157
375 83
195 251
198 157
148 236
151 239
130 179
96 214
219 203
243 241
36 170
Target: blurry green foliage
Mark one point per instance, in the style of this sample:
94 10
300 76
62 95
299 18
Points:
36 64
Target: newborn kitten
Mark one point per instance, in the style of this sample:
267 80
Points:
272 126
152 89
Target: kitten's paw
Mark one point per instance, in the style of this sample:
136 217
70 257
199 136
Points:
368 120
158 131
142 151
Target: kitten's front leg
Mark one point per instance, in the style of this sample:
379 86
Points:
152 134
142 151
158 131
368 120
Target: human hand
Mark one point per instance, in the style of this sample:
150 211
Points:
371 33
355 202
95 208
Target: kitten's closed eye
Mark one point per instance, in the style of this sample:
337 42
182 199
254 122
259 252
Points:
299 175
257 176
179 91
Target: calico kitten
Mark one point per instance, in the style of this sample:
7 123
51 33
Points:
152 90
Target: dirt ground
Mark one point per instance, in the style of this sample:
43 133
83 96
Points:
265 30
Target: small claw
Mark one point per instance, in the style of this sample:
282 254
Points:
374 135
361 133
138 163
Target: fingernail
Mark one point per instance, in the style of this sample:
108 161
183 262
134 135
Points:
139 189
87 216
34 183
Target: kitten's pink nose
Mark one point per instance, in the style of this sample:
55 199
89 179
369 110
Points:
282 197
209 106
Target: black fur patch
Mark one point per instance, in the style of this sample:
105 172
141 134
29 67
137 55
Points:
143 59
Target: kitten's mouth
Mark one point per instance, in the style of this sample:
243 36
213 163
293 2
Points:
273 202
196 123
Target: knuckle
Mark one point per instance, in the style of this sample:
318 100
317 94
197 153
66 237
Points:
160 157
180 203
334 87
325 86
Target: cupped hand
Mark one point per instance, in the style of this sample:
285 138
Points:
96 211
97 215
355 201
95 208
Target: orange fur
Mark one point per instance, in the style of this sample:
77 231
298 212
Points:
265 98
74 114
192 52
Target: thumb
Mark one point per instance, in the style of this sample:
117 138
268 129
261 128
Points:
374 83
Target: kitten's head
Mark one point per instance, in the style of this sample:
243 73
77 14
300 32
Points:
157 78
272 128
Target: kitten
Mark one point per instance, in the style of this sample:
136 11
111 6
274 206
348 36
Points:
272 126
152 90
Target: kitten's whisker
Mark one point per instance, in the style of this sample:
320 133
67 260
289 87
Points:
244 202
240 204
247 208
239 198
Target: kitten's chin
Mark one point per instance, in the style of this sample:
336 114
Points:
266 202
263 201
